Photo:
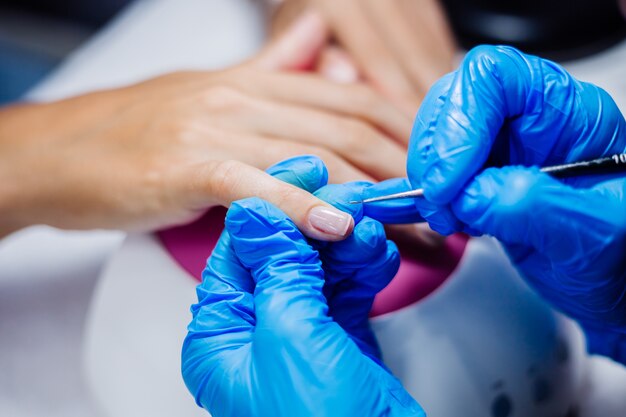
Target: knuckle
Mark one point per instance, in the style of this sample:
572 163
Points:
357 136
223 98
482 53
289 331
371 236
223 176
287 194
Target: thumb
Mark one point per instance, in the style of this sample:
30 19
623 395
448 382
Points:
523 206
302 342
298 48
307 172
287 270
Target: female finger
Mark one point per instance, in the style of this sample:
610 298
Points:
262 152
434 23
353 30
409 41
202 185
353 140
310 90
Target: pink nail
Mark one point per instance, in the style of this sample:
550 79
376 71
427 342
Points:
329 221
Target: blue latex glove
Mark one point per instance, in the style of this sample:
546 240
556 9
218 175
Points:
281 328
568 238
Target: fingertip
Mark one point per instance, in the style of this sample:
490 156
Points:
367 241
398 211
298 47
329 224
440 218
370 235
307 172
471 203
343 196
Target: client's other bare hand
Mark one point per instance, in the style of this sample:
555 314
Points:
401 47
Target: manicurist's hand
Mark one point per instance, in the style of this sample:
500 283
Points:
401 47
161 152
568 237
281 324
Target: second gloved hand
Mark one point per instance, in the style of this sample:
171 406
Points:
281 327
502 107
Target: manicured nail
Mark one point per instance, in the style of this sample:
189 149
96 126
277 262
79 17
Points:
330 221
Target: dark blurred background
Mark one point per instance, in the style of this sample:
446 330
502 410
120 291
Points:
563 30
35 35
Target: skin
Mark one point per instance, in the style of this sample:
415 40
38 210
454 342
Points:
162 152
401 60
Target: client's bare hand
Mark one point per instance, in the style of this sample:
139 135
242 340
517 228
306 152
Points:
401 47
160 153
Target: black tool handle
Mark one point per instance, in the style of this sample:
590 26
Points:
615 163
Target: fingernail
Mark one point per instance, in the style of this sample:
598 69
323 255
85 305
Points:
330 221
341 73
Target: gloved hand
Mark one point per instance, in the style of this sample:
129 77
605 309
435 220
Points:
269 337
502 107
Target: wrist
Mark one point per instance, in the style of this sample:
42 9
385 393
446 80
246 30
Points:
17 167
13 198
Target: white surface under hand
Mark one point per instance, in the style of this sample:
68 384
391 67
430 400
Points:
47 279
136 330
154 37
